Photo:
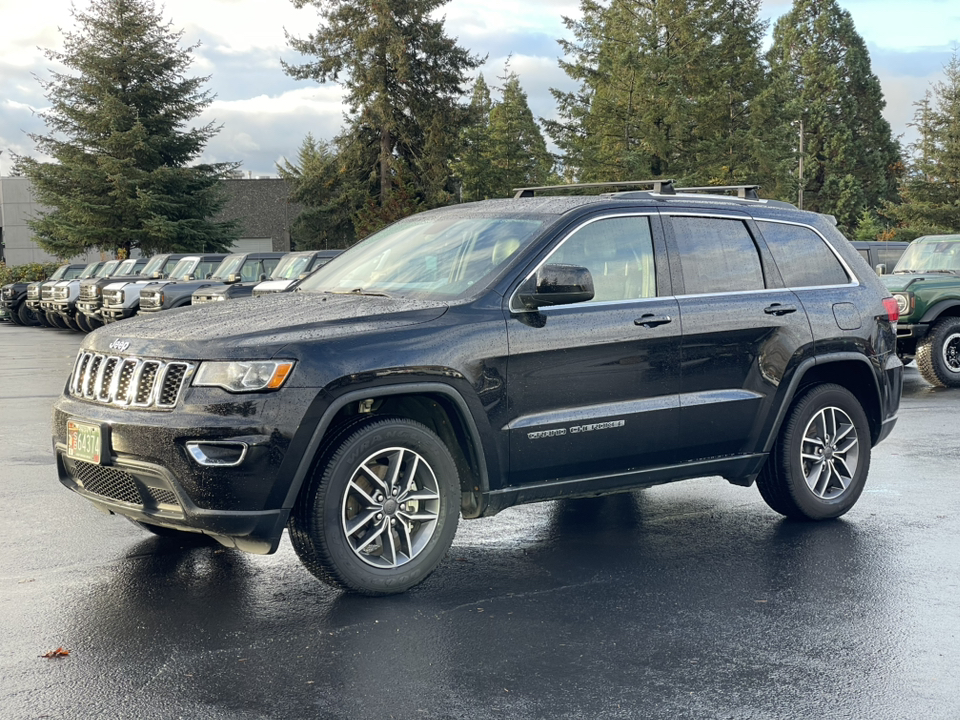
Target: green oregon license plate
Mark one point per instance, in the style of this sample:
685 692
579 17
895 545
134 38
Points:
84 442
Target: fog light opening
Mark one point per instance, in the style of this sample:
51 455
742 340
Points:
215 453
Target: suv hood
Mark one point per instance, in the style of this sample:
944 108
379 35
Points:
259 327
901 281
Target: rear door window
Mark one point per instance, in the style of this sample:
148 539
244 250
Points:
716 255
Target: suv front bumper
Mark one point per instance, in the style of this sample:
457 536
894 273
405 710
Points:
112 313
149 475
914 331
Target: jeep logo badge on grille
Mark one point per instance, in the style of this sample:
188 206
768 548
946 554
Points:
119 345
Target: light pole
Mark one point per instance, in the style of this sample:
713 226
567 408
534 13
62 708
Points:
800 169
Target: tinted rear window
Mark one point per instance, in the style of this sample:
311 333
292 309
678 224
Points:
717 255
802 256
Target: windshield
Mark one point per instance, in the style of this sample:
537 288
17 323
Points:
184 267
107 268
90 270
59 272
71 273
228 266
426 258
126 267
153 265
290 267
930 257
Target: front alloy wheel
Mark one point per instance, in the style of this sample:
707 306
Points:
390 507
381 509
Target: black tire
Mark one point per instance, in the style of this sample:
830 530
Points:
70 323
938 354
56 321
14 315
81 320
839 477
41 317
403 543
26 316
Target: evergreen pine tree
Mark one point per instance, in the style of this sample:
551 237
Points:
665 89
404 81
122 176
477 176
821 68
930 193
326 220
518 152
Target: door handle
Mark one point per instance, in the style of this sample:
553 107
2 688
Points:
650 320
778 309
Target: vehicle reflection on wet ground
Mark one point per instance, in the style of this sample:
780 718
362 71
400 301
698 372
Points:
690 600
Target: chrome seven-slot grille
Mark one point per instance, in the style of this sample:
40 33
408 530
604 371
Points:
33 292
88 292
46 292
137 382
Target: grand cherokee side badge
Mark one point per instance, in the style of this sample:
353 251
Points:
119 345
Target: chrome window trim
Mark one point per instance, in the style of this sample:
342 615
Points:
647 214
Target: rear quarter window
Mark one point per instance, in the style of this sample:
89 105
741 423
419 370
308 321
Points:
802 256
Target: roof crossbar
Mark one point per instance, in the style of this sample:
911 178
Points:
664 187
744 192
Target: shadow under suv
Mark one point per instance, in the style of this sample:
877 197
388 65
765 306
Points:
478 356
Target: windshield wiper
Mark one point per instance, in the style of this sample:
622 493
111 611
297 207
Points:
360 291
948 272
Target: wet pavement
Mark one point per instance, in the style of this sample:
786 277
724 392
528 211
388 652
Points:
690 600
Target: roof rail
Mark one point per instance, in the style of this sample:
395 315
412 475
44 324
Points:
664 187
744 192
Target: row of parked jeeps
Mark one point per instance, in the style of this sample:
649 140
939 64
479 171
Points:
83 297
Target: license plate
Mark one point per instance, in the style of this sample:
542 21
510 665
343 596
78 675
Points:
84 442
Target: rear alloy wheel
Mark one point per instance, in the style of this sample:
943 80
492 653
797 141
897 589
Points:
938 354
819 464
381 509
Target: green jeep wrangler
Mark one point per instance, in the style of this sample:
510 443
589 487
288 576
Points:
926 284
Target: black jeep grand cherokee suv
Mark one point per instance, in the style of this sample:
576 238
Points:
478 356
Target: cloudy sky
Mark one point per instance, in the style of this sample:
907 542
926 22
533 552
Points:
266 114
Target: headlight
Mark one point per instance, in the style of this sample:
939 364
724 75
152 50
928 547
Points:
903 304
244 376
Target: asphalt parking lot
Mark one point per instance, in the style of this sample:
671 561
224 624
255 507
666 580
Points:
691 600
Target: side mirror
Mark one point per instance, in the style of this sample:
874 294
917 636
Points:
188 278
157 275
557 285
263 276
233 277
301 276
881 269
208 276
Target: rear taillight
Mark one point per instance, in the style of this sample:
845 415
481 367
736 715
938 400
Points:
893 312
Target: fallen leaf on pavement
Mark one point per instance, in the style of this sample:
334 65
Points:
58 653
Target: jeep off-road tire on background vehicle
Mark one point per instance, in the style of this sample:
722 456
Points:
938 354
820 461
382 508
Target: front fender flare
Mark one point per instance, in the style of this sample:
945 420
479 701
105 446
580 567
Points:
435 388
